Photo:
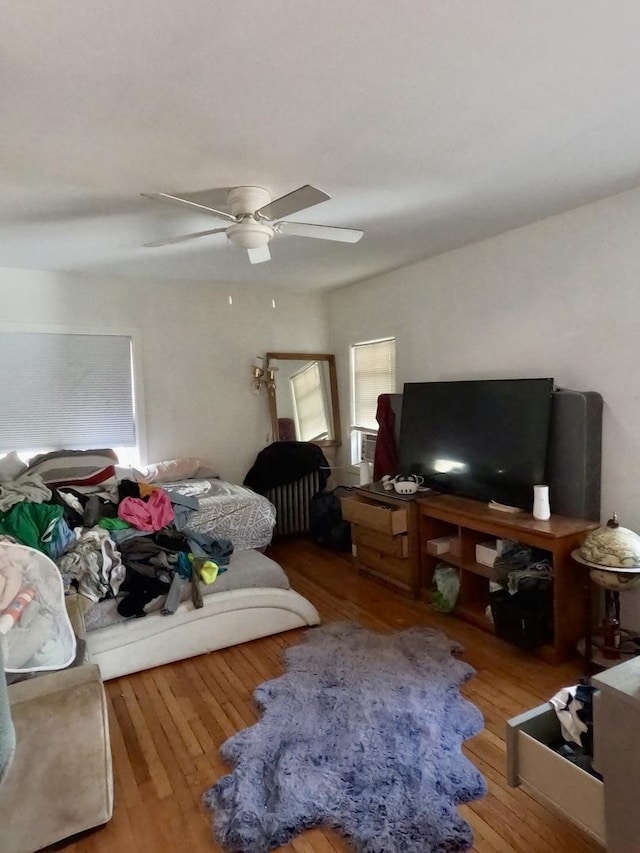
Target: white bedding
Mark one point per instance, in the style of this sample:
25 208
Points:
229 511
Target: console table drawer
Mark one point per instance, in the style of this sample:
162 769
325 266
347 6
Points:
377 516
396 546
565 786
395 570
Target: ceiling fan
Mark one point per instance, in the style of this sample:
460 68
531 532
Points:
255 218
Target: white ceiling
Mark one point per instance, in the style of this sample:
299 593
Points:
430 124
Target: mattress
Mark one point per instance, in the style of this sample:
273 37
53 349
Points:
247 570
229 511
252 599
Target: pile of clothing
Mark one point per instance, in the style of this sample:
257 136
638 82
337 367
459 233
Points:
574 709
124 540
522 598
523 570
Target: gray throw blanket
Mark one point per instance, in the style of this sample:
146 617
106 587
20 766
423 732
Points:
24 488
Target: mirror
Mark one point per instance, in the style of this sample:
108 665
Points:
304 404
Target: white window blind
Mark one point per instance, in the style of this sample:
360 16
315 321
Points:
309 403
65 391
374 373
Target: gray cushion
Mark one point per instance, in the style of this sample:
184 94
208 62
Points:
247 569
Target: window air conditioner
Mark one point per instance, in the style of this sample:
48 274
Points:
368 446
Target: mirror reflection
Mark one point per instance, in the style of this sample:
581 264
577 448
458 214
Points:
304 406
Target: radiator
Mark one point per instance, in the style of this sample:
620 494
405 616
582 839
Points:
293 503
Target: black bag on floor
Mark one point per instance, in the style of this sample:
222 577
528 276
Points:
326 524
521 620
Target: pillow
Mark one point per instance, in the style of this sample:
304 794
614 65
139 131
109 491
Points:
206 469
85 470
128 472
183 468
11 466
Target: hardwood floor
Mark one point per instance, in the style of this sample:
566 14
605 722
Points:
167 724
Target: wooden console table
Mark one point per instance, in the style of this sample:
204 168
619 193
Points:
472 522
390 532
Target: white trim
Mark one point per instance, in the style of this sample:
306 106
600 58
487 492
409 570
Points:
139 412
382 340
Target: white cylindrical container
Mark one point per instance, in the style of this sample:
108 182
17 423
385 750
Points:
365 473
541 509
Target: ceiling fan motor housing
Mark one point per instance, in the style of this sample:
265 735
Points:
249 234
243 200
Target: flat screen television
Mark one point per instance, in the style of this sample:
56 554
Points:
485 439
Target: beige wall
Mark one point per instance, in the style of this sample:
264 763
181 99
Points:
195 353
558 298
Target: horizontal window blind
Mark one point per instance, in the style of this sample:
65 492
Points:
63 391
310 411
374 373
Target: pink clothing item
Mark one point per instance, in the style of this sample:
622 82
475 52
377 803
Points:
150 515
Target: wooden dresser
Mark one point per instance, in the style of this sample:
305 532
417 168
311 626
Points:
385 532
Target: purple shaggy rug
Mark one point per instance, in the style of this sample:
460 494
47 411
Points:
361 734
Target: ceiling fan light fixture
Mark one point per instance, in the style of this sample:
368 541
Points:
250 234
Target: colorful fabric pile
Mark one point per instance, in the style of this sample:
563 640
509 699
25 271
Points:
109 538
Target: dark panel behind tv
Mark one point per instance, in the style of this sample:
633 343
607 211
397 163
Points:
575 452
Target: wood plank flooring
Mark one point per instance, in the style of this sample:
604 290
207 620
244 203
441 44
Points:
167 724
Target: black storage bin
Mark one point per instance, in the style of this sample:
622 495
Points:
520 620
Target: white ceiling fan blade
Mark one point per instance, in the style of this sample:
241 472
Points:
157 243
299 199
259 255
192 204
321 232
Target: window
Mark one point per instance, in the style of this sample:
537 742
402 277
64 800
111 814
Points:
373 367
60 390
309 398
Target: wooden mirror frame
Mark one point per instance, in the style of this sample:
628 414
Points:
333 383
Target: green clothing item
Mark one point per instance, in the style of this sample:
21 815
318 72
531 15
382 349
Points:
31 524
113 523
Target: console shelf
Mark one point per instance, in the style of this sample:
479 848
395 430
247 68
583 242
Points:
472 522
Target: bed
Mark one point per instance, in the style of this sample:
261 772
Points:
252 599
228 511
